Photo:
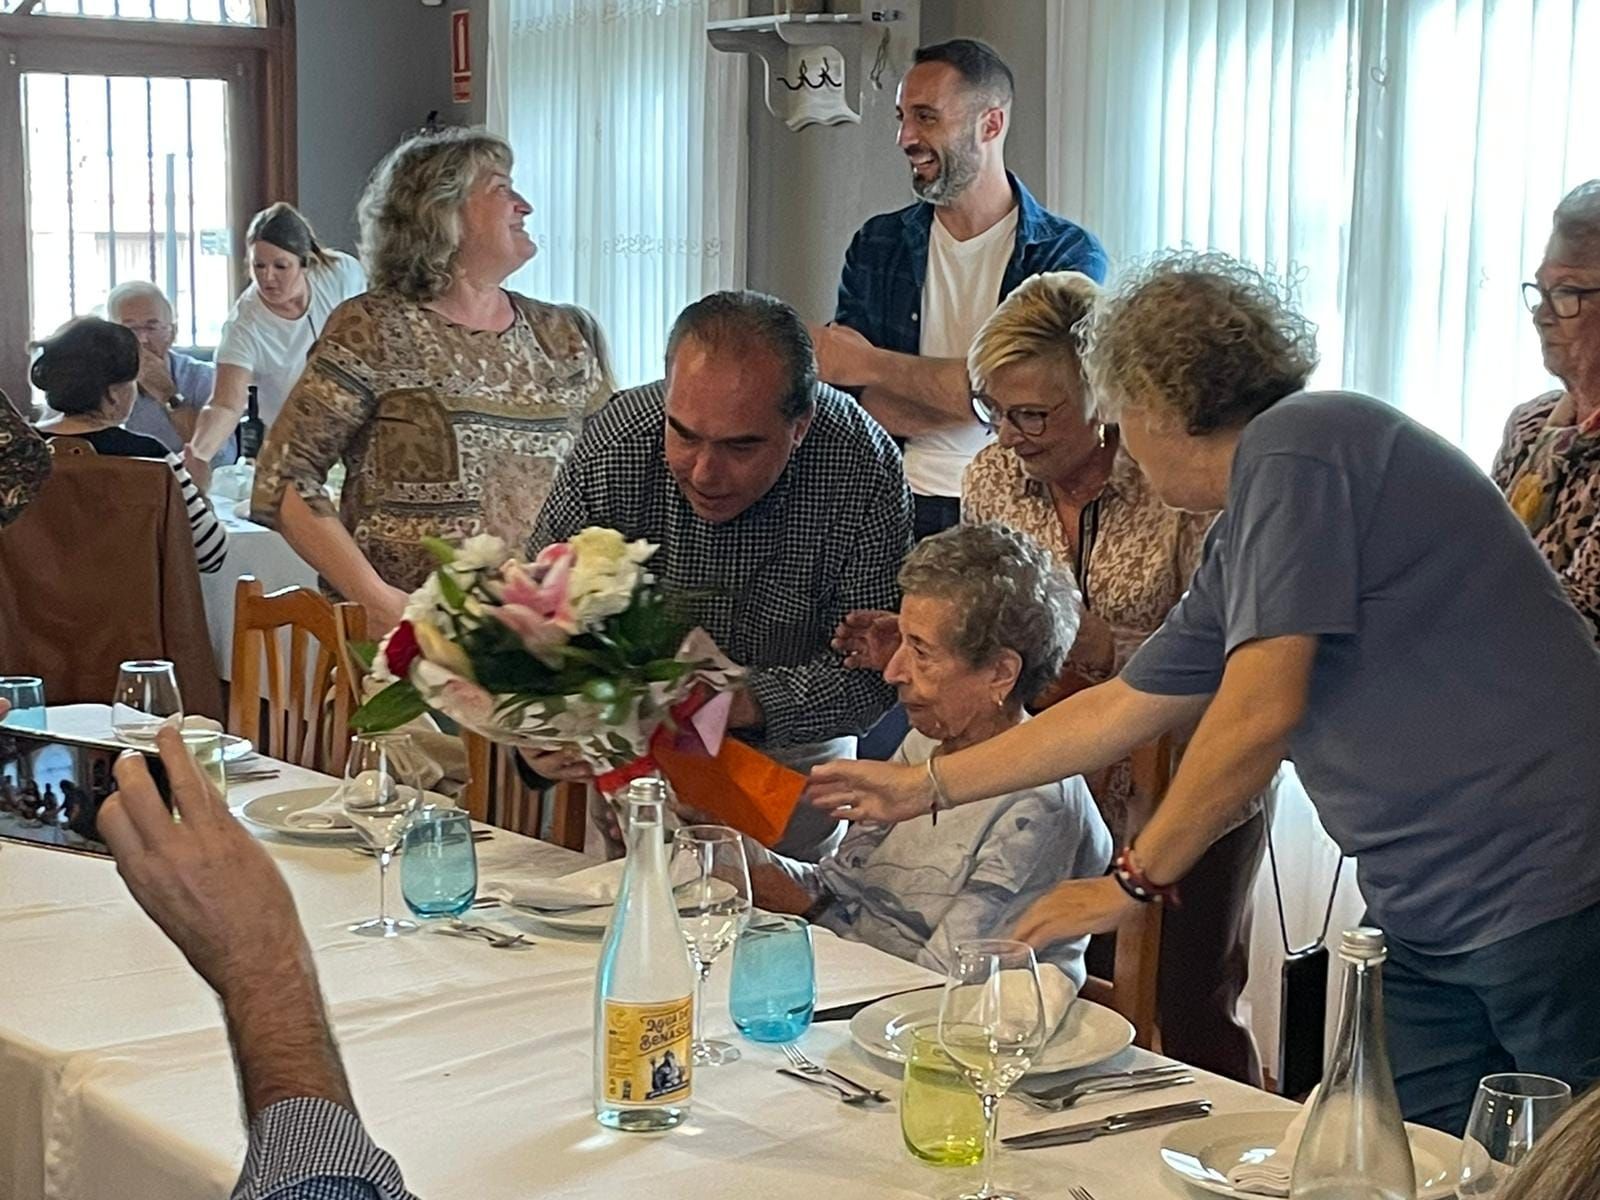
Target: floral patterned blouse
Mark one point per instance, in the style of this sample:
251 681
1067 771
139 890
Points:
1139 558
24 462
1549 467
444 431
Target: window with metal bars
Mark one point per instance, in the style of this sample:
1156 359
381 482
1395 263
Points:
136 138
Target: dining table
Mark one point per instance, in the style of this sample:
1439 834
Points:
253 549
471 1064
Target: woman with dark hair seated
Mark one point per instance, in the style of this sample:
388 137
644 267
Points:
87 371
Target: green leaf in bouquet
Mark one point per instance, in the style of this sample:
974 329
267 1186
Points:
601 691
454 597
616 712
365 653
440 549
666 670
389 709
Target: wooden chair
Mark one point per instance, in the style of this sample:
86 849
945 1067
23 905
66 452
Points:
496 795
1131 990
309 694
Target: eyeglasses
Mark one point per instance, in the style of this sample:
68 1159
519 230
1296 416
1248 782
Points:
1029 422
1565 302
149 326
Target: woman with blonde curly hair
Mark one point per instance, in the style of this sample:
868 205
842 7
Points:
451 401
1369 607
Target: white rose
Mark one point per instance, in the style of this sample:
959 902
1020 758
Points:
425 602
480 552
606 569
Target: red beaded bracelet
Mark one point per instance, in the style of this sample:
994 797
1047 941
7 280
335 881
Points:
1131 878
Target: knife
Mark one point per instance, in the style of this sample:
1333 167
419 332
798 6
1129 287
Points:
1144 1118
843 1012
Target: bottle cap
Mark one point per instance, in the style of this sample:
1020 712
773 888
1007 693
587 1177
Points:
1364 945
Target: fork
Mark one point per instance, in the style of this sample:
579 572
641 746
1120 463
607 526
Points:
845 1095
1067 1094
805 1066
1061 1102
1080 1193
495 938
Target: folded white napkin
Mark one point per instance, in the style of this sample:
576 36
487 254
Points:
1056 993
591 887
1270 1176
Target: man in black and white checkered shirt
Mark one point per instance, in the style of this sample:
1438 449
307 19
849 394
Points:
778 504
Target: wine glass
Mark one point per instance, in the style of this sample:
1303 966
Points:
378 797
1510 1113
991 1024
713 902
146 698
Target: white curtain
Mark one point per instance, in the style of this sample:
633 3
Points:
629 133
1397 158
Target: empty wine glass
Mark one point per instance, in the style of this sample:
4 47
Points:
713 902
1510 1113
378 797
146 698
991 1024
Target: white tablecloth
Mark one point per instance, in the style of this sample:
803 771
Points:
252 550
472 1065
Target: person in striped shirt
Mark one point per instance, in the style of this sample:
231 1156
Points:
88 371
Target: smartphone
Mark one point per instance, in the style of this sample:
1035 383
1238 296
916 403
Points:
1302 1018
53 784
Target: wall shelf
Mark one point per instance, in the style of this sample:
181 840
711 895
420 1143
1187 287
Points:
863 39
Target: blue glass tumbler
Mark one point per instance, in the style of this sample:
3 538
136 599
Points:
774 987
26 696
439 863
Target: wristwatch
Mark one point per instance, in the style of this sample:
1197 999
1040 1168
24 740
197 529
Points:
175 402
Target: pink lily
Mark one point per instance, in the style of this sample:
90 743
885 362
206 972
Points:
543 588
539 634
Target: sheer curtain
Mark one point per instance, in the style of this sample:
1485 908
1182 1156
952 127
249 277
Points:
629 133
1397 158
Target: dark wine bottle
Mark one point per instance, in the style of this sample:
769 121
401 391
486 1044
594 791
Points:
251 430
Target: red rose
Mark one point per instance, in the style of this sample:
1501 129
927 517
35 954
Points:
402 650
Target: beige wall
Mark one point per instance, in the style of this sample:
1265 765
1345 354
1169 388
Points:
810 191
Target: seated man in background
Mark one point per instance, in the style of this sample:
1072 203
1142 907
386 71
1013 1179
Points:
987 621
212 889
173 387
778 506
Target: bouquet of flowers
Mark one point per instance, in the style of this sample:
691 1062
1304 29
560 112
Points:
579 649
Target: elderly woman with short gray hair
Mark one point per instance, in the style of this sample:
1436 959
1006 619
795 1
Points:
986 622
451 401
1549 462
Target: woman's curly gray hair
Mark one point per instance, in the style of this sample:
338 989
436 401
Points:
1009 595
410 212
1204 337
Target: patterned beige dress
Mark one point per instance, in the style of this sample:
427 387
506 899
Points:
1138 565
444 431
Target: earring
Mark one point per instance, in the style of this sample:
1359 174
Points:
1101 433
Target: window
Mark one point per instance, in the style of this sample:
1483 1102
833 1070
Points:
136 139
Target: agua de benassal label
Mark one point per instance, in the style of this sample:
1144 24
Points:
648 1058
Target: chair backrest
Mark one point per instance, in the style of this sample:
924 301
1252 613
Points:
98 569
496 795
310 691
1131 990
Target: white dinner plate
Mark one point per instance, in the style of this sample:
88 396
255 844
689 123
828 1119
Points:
1202 1152
1090 1033
288 813
573 920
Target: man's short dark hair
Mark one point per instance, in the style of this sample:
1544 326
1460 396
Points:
984 71
743 319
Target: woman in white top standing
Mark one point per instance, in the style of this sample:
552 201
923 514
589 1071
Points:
269 333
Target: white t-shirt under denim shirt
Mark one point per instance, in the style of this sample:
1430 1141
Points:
273 348
959 293
1449 737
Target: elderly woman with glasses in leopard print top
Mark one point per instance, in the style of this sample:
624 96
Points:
1549 462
